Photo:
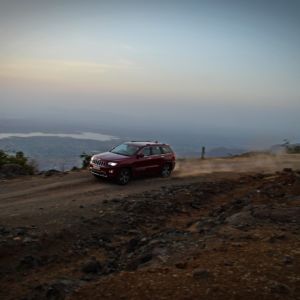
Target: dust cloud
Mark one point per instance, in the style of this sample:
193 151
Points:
256 163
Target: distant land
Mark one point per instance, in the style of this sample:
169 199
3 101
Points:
80 136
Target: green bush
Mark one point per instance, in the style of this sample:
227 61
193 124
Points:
85 159
17 159
293 149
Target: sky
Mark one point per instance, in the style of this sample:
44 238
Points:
180 64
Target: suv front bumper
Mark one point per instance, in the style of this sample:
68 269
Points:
103 171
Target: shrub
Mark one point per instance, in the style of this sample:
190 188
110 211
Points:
293 149
85 159
18 160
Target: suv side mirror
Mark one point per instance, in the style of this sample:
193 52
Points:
140 155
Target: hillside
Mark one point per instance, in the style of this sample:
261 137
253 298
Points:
218 228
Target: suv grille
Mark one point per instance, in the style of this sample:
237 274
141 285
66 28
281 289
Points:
99 162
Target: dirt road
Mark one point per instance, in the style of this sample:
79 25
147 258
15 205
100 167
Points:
48 201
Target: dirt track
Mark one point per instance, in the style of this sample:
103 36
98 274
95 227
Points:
49 201
217 228
45 199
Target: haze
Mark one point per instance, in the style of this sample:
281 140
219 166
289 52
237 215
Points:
207 67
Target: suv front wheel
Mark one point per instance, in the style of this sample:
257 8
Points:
124 176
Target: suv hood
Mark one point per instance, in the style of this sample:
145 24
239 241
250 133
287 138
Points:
109 156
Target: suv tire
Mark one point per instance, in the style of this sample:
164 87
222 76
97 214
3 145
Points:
166 171
124 176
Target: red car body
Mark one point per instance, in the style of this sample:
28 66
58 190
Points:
134 159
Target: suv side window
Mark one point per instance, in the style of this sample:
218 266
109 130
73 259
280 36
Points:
146 151
166 149
156 150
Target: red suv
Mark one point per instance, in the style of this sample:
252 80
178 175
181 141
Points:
134 159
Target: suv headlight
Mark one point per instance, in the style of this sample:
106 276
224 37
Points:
112 164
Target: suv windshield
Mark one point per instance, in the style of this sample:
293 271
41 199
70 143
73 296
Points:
125 149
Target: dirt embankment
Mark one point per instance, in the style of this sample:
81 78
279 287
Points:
222 235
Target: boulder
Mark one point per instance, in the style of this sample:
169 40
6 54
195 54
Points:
91 266
243 218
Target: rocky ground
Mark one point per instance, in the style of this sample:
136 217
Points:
226 237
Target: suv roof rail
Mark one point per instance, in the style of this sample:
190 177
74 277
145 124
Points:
144 142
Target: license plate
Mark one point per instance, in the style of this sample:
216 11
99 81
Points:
97 167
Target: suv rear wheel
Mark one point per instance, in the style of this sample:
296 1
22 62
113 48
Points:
166 171
124 176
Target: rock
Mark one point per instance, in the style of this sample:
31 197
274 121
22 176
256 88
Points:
145 258
195 205
87 277
275 237
4 230
30 262
286 215
91 266
76 169
56 290
132 245
280 288
20 231
243 218
287 260
28 239
159 250
280 214
110 267
52 172
181 265
201 274
135 263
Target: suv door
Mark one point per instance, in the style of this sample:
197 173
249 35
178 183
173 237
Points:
142 164
157 159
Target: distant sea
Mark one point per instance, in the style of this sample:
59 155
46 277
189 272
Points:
59 151
80 136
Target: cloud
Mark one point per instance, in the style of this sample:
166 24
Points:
60 69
